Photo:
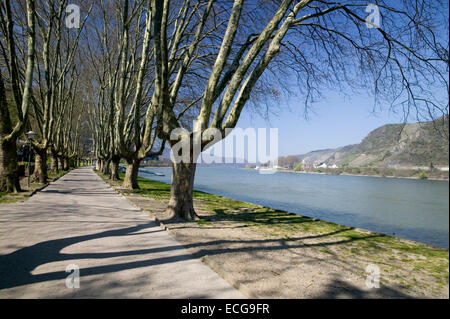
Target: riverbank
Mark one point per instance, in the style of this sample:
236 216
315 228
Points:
270 253
415 174
444 175
365 175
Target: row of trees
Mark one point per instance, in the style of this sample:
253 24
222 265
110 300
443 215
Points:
39 88
139 70
289 161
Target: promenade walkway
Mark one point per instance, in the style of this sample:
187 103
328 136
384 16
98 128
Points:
80 222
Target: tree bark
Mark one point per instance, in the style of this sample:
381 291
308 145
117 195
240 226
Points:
9 177
54 167
66 163
105 167
131 175
115 168
40 166
181 202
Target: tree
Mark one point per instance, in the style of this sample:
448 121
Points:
58 45
288 161
321 44
127 97
298 167
21 87
208 59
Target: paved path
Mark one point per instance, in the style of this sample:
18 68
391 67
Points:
120 252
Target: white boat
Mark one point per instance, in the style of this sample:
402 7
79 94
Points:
267 170
153 173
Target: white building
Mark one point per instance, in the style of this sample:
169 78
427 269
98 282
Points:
321 165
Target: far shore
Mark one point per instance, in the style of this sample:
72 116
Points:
325 173
365 175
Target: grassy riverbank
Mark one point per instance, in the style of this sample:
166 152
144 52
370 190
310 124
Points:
276 254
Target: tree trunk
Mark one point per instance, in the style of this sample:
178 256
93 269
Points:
40 166
66 163
115 168
105 167
131 175
60 163
181 202
9 177
54 167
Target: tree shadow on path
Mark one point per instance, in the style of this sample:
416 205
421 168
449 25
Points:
16 268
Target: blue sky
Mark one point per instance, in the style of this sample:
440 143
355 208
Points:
335 121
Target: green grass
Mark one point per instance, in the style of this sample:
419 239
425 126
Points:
203 222
9 198
150 188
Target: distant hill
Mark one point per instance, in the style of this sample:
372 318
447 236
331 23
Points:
391 146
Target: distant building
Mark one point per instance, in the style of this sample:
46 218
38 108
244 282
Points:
321 165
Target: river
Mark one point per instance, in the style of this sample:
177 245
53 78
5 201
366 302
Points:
406 208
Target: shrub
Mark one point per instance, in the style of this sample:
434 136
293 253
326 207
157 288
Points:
298 167
423 175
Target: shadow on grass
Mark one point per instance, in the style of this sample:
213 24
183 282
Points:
266 216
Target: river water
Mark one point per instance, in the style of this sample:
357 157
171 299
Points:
411 209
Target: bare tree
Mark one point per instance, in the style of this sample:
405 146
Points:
161 64
21 87
124 120
321 44
59 47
